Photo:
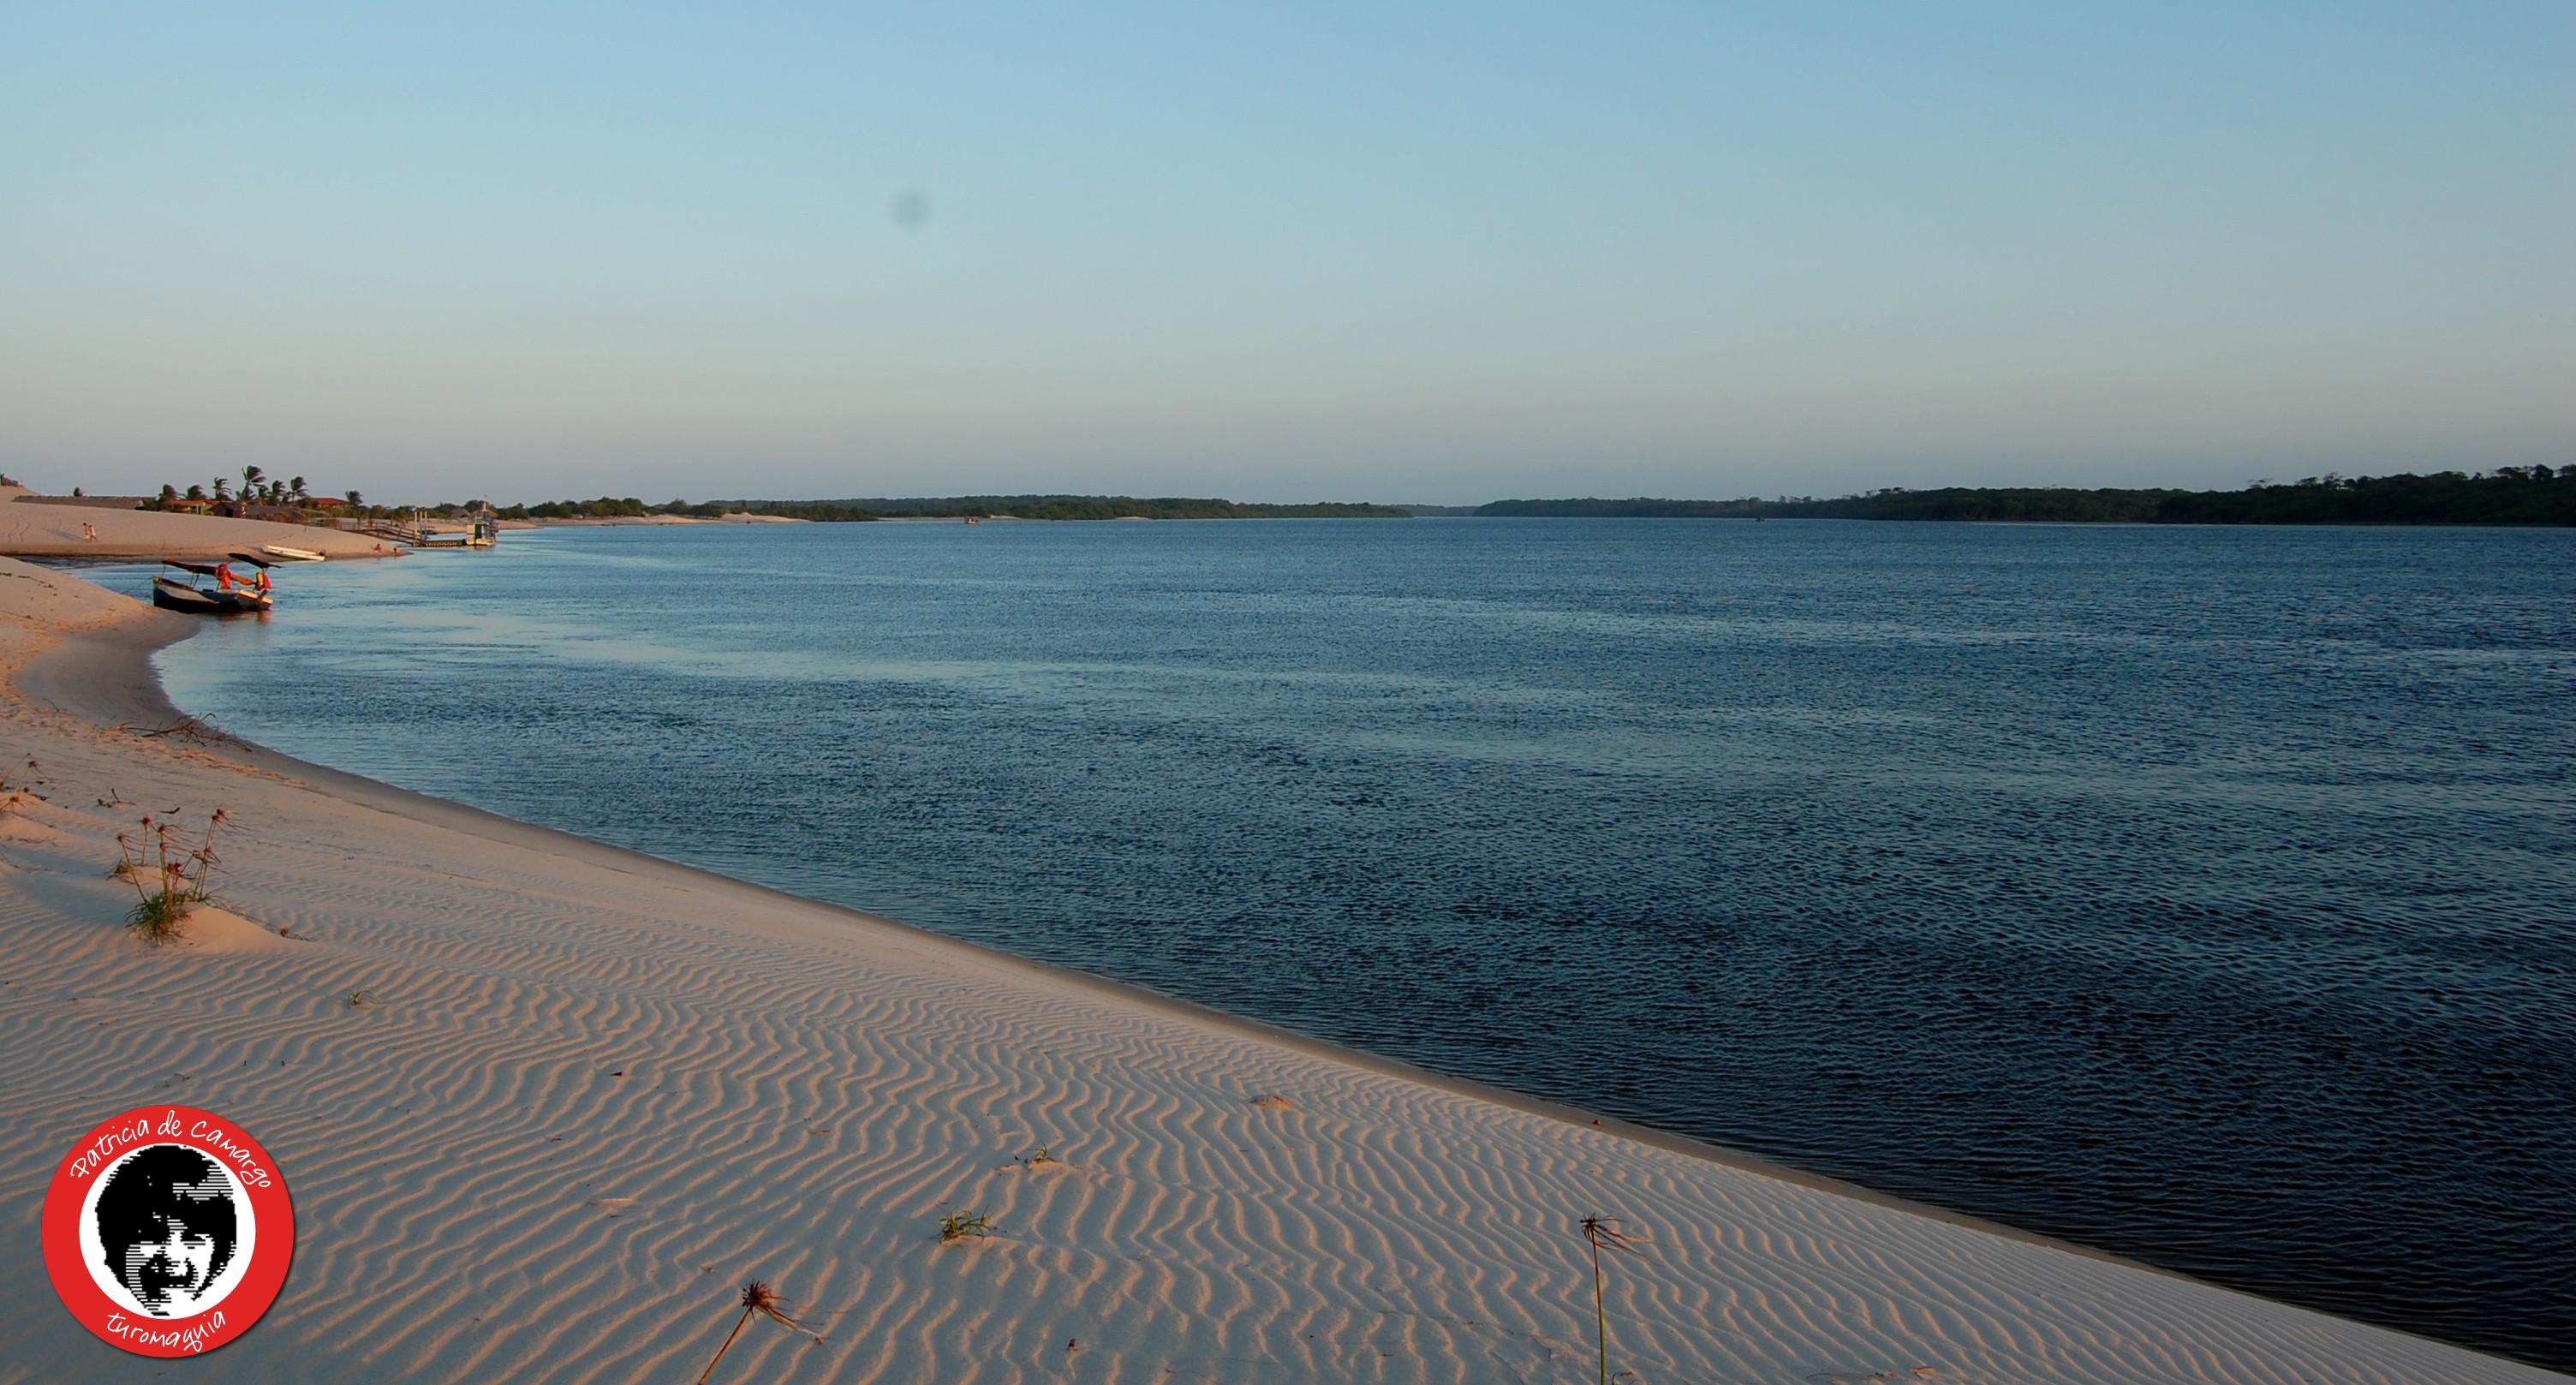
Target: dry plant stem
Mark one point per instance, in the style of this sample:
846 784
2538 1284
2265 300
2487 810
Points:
1597 1233
757 1297
1600 1313
190 728
728 1345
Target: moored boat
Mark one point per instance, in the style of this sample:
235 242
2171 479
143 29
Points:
284 554
482 533
171 594
225 598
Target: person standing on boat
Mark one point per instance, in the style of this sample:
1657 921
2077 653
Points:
223 576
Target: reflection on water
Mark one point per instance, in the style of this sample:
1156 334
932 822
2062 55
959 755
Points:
2199 894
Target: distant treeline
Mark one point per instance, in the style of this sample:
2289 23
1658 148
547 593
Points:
2508 495
952 507
1112 507
611 507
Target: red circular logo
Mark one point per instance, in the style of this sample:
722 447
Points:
167 1231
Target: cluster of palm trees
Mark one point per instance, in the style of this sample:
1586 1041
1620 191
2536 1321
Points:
257 488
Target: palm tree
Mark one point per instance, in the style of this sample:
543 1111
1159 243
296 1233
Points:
356 501
250 481
223 488
297 486
196 492
168 492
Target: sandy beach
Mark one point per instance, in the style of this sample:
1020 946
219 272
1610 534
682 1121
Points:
54 531
544 1104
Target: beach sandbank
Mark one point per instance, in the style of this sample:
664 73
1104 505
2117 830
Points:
55 531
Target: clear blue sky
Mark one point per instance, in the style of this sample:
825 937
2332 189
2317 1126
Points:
1378 252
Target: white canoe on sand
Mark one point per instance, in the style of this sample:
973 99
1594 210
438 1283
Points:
292 555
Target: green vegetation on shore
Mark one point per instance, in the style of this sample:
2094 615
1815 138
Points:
610 507
1113 507
2535 495
2509 495
289 500
956 507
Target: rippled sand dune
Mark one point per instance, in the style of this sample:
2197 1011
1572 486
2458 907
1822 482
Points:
583 1094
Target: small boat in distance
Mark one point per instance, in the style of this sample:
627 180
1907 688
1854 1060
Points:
285 554
225 598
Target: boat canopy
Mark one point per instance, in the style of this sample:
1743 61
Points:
254 560
205 569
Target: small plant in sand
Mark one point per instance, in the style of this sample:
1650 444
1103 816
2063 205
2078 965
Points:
18 792
964 1226
1043 1154
1602 1233
169 876
757 1297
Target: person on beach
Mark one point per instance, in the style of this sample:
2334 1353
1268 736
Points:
167 1226
89 533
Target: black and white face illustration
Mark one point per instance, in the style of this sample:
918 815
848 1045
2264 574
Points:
168 1221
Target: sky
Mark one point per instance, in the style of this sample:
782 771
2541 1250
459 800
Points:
1373 252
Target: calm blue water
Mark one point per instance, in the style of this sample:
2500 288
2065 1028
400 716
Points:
2206 895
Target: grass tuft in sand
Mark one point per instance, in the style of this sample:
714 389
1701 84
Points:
170 878
964 1226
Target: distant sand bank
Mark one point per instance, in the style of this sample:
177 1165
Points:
588 1093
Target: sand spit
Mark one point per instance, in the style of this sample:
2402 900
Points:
54 531
544 1105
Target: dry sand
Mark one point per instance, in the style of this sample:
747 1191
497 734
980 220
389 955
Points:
55 531
590 1092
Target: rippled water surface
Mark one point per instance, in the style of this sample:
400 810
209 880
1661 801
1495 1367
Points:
2207 895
